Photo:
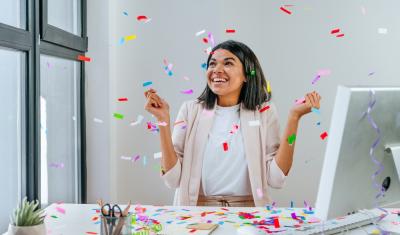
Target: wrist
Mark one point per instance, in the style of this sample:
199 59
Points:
294 116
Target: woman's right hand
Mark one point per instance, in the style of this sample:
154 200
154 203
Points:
156 105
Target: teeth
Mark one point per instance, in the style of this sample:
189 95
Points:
219 80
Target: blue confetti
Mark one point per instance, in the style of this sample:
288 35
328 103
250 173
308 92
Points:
204 65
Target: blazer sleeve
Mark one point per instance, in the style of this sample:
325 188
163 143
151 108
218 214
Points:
275 176
173 176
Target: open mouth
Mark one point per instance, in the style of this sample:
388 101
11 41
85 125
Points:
219 80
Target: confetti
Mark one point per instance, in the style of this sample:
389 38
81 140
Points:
230 31
211 39
291 139
91 233
136 158
300 101
334 31
285 10
276 222
315 110
97 120
200 32
324 72
371 73
142 18
324 135
118 116
121 41
187 92
316 79
125 13
340 35
268 87
61 210
235 127
204 65
138 120
254 123
259 193
84 58
158 155
205 40
162 124
293 215
57 165
130 37
144 160
147 83
123 99
225 146
253 73
291 204
264 109
382 30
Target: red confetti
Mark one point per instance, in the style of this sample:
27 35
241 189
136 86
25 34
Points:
122 99
192 231
265 108
340 35
95 218
91 233
333 31
230 31
285 10
225 146
324 135
142 18
83 58
276 223
205 40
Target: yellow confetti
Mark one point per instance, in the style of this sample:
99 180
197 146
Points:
130 37
375 232
268 87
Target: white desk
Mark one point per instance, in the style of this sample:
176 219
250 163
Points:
81 219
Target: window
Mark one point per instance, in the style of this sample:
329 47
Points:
12 70
42 112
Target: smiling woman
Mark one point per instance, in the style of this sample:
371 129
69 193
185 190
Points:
229 151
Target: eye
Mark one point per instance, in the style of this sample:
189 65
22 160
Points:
229 63
211 64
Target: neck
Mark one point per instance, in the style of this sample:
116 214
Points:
227 101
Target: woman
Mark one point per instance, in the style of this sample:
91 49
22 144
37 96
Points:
225 148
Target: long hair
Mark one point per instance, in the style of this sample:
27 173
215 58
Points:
254 91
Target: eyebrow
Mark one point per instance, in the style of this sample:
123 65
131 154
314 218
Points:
228 58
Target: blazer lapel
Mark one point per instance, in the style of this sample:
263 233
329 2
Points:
251 142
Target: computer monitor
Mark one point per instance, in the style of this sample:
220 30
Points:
346 180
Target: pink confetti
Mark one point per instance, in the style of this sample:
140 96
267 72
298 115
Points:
187 92
259 193
61 210
300 101
57 165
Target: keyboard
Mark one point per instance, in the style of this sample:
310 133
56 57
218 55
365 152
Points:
345 223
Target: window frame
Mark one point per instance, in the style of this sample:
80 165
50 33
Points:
28 41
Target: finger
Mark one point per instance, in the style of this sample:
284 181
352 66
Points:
151 102
311 99
316 98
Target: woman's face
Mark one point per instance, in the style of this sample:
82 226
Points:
225 75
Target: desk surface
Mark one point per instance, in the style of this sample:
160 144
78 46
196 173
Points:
84 218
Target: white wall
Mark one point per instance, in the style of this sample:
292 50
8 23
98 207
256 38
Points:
291 49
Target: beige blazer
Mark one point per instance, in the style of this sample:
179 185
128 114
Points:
261 143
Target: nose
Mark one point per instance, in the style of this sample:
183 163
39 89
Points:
218 68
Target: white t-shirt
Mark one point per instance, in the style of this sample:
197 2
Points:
225 173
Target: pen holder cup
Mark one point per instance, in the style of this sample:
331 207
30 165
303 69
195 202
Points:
115 225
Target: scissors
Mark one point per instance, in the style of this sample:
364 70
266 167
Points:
110 213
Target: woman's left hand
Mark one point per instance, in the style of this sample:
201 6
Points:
311 101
